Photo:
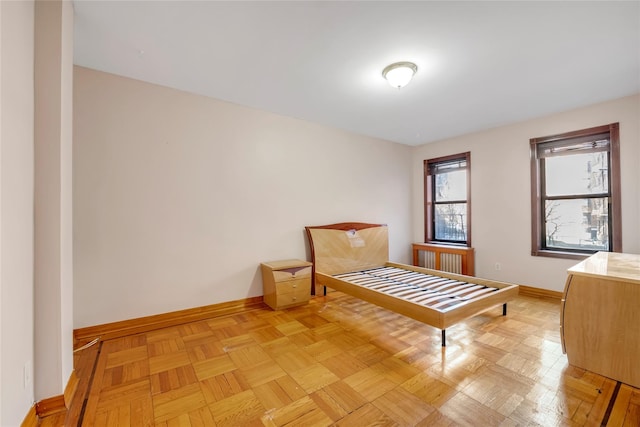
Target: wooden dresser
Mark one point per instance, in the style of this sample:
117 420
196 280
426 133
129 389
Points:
286 283
600 316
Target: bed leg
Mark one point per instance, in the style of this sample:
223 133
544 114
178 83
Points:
325 291
444 338
504 309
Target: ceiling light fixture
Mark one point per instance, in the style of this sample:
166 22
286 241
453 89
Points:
399 74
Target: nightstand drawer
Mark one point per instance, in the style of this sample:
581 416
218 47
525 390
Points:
294 286
294 273
296 297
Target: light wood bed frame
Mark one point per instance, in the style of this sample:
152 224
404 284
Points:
353 258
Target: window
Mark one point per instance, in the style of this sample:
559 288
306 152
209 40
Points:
575 193
447 195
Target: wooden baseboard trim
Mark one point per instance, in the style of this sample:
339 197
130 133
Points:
149 323
31 420
530 291
70 389
50 406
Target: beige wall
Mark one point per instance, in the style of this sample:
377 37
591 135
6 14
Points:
178 197
16 209
500 189
35 111
53 220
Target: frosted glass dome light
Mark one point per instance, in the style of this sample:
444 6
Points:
399 74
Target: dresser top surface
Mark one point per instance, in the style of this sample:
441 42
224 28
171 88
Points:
610 265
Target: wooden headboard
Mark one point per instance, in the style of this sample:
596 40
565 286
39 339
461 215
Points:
348 246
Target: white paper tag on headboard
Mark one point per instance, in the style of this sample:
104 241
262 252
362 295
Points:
354 239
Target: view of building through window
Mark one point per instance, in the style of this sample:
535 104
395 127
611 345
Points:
577 223
575 192
447 199
450 214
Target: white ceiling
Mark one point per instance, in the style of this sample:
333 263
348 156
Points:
480 64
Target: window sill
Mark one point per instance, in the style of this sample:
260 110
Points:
560 254
450 244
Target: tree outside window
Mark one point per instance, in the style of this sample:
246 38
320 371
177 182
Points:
576 193
447 195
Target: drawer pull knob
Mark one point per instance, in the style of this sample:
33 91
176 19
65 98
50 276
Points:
295 298
295 285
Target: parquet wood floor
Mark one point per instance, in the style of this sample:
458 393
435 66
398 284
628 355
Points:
343 362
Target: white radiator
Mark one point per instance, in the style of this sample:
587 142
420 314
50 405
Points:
449 258
451 263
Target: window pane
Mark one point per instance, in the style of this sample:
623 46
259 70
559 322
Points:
451 186
577 174
581 224
450 222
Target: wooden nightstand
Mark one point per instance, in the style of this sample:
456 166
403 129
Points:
286 283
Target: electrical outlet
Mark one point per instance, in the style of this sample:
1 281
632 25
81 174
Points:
27 374
498 267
